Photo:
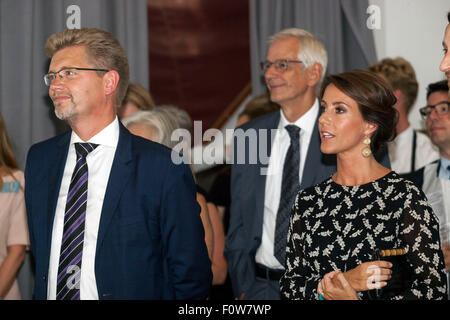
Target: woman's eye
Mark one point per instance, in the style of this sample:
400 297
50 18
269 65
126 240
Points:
340 110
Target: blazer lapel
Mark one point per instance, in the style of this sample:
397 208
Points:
313 158
120 173
261 174
55 174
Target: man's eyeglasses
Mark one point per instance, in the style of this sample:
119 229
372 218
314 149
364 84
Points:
280 65
66 73
441 109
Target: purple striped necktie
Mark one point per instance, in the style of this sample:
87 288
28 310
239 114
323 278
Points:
69 269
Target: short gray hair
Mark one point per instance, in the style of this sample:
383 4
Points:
159 122
179 115
311 49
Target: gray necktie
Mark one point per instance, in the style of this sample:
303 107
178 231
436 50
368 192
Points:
289 189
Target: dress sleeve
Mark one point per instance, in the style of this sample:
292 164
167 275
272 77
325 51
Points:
420 234
18 227
299 282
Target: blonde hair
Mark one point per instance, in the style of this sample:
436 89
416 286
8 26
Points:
7 159
401 76
139 96
311 49
181 116
159 122
102 49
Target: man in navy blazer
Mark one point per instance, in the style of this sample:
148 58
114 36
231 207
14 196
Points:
294 69
142 236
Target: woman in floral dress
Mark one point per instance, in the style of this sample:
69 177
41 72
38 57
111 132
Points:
338 226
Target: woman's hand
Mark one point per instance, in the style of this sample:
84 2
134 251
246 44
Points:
369 275
334 286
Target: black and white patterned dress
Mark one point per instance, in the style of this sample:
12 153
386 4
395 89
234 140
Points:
339 227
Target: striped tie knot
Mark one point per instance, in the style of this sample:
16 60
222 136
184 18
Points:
83 149
294 132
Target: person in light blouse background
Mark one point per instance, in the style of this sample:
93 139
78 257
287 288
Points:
13 220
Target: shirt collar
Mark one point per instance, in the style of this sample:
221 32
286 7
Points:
405 137
109 136
443 165
306 122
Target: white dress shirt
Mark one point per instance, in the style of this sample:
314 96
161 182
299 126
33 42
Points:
400 151
99 163
280 146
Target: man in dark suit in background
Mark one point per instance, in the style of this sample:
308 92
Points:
110 215
434 178
262 193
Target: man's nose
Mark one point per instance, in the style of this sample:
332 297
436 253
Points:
271 72
56 82
433 114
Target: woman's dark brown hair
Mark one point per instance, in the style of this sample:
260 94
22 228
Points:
375 99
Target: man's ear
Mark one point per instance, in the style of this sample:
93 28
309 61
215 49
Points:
399 95
313 74
110 82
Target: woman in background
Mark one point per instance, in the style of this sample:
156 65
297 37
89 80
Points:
136 99
13 219
338 226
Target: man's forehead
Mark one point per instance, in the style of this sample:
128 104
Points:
70 56
290 45
438 96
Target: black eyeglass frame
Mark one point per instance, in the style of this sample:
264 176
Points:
48 82
424 113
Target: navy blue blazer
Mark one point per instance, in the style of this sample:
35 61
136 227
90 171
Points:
247 196
150 241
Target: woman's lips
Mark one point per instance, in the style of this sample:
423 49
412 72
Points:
326 135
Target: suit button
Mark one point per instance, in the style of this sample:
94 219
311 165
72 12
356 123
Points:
44 278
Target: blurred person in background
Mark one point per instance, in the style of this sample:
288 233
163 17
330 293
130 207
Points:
434 178
13 220
411 149
137 98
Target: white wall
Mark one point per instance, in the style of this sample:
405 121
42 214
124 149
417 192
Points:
413 29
